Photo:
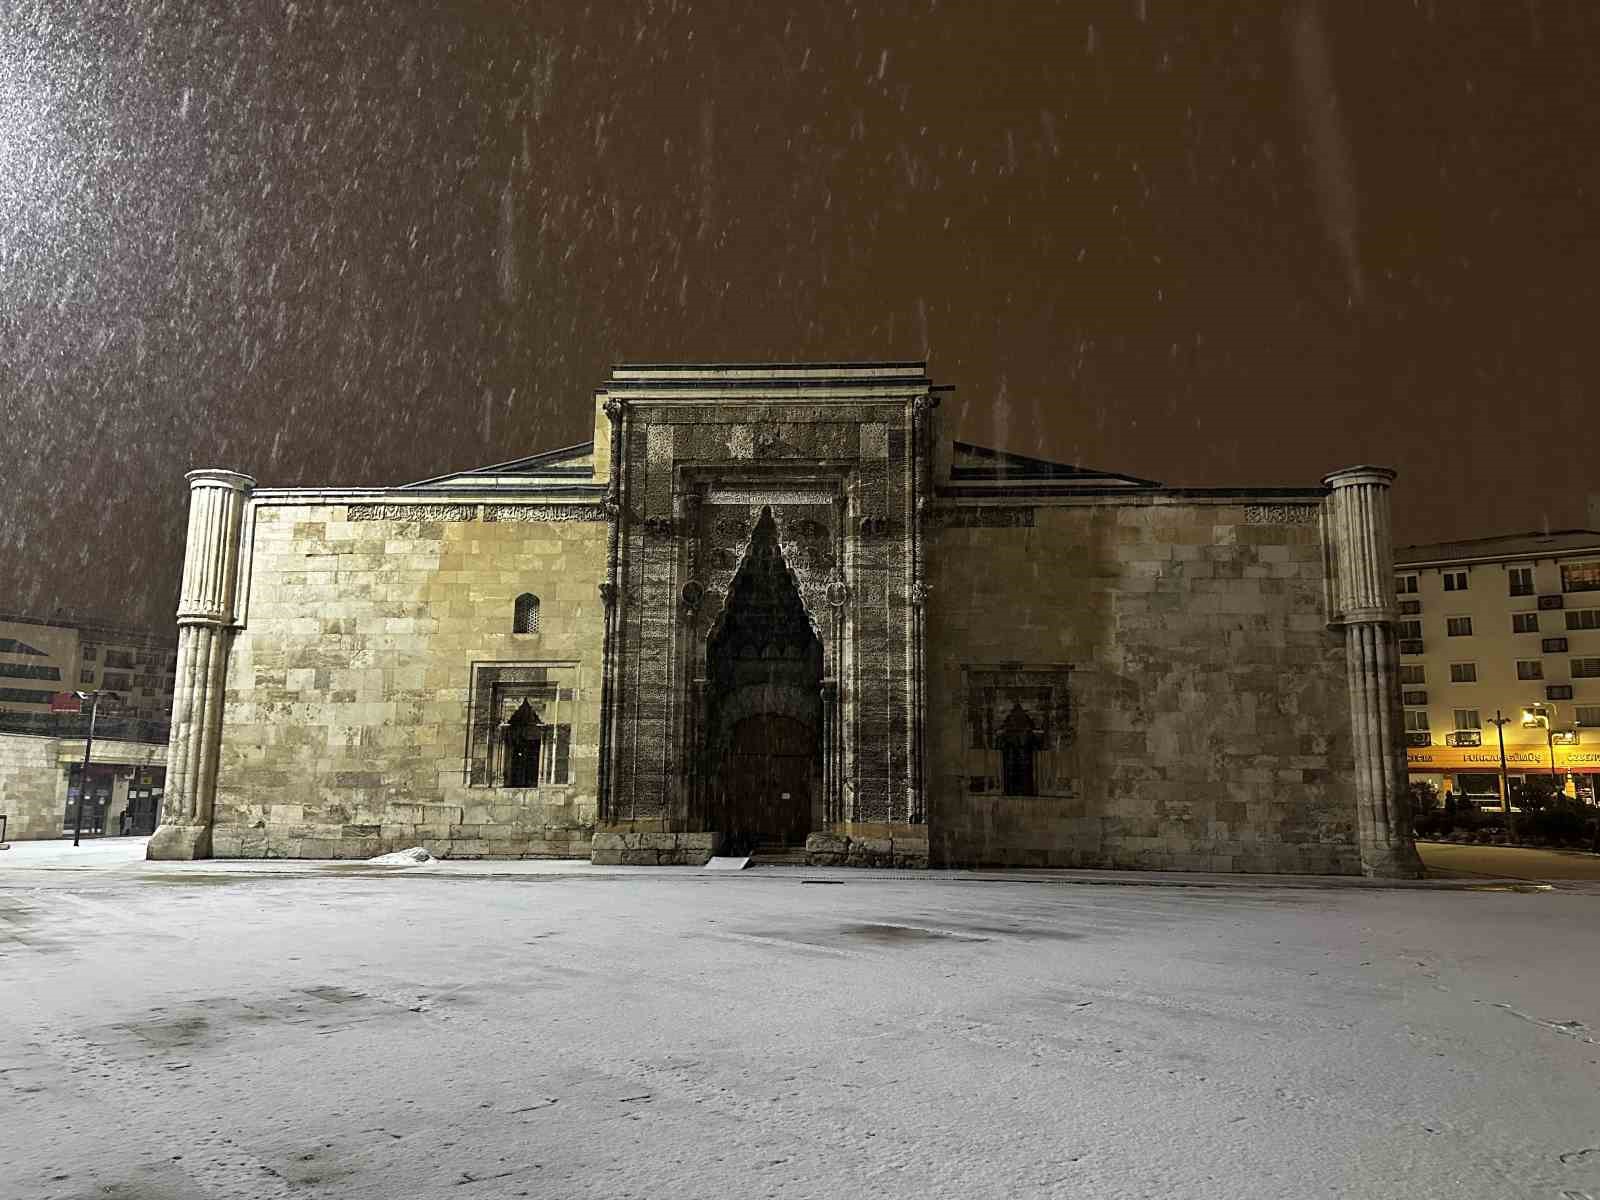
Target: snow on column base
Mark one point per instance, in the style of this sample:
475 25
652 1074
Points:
1392 862
172 843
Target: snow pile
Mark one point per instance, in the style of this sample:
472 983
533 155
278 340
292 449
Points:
404 858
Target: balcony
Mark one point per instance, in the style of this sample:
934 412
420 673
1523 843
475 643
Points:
1410 608
1410 645
1564 737
1558 691
1547 602
1414 699
1553 646
1464 737
1419 739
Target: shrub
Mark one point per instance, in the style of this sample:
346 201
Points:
1555 824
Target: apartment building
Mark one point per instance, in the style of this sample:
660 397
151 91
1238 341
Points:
1500 636
40 657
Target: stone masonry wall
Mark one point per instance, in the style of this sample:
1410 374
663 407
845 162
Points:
28 791
1209 708
348 690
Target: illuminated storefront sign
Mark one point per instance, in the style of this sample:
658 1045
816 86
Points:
1519 759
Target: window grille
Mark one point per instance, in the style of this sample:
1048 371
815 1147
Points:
525 617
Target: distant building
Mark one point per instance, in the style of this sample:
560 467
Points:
41 752
1504 625
775 606
39 657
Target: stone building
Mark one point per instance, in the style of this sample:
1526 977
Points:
775 605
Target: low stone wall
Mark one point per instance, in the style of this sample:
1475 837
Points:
632 848
442 828
28 787
847 850
1144 835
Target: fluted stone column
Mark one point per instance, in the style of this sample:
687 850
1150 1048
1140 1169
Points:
1364 603
205 628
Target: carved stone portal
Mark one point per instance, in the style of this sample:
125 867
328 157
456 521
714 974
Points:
766 648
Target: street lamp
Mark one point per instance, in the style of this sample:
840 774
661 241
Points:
88 746
1499 722
1534 716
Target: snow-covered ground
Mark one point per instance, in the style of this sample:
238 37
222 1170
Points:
191 1032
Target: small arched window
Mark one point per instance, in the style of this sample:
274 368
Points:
526 617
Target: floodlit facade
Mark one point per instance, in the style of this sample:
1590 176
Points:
1501 627
777 606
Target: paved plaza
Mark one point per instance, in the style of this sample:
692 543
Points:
202 1030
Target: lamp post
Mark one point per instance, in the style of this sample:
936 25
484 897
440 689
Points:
88 747
1544 714
1499 723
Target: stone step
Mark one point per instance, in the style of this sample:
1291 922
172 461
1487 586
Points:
778 854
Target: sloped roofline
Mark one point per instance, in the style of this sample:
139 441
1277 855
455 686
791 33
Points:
1500 547
1010 466
516 466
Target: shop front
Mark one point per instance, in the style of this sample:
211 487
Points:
1473 772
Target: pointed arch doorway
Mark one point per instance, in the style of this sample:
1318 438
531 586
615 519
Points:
764 667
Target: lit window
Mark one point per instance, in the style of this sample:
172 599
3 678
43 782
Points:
1467 718
1463 672
1530 669
1525 622
1458 626
525 617
1521 581
1580 577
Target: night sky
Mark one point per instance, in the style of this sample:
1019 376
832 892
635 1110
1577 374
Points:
1206 243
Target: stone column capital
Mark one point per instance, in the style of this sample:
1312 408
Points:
1357 476
213 477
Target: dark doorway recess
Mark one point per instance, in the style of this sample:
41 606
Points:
524 736
764 703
